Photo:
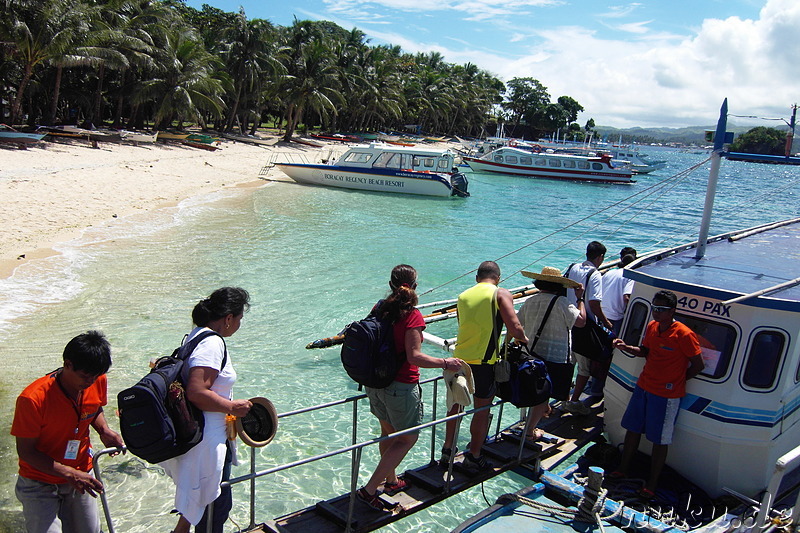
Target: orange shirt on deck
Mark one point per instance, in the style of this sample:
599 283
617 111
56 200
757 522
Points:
664 372
45 412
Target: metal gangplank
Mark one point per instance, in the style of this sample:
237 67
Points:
429 484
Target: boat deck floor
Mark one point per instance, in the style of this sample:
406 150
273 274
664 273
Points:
564 434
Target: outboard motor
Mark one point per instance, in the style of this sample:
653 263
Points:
459 182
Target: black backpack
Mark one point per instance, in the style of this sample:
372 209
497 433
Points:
368 351
156 419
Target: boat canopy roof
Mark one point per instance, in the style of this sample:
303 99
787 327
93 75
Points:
734 264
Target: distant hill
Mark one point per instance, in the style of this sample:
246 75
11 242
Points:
688 135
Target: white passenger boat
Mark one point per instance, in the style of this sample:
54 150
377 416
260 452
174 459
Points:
385 168
736 436
519 161
138 136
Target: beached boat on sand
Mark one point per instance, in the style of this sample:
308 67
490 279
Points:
138 136
385 168
10 135
519 161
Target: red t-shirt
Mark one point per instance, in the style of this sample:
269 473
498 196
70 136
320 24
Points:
408 373
46 413
664 372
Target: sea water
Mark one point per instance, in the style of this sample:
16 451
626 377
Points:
313 259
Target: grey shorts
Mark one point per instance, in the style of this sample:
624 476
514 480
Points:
399 404
49 508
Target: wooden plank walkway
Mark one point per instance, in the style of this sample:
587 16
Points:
565 434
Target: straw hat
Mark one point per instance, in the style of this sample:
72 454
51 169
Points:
552 275
259 425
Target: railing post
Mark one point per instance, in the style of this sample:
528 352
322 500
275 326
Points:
354 468
103 499
433 417
252 488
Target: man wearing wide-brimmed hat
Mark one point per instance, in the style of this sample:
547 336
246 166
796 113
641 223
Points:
553 345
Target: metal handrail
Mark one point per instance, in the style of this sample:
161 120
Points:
355 448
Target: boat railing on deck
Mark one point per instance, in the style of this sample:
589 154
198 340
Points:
785 463
355 448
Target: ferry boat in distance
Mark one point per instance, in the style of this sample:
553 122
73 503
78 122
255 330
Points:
518 161
382 167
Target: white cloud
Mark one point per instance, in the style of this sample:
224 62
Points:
620 11
634 27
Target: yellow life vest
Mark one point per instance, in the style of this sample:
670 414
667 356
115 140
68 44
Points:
479 325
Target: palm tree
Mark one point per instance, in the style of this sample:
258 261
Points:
187 83
313 77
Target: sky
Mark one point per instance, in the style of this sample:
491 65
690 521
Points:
652 63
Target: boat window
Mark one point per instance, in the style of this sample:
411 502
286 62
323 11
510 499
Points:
554 162
511 159
388 160
540 162
498 159
445 164
406 161
429 162
716 343
597 166
637 321
569 164
525 160
764 359
426 162
357 157
583 164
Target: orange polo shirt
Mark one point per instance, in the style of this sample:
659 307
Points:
45 412
664 372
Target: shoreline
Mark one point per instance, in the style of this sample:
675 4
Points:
52 192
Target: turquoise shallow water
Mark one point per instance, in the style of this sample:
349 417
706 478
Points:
314 259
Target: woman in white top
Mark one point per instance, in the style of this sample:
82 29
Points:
198 473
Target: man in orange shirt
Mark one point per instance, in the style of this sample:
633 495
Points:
51 426
673 357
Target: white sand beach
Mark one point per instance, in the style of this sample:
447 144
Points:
51 192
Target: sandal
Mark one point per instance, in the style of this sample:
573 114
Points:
374 500
390 489
537 434
646 494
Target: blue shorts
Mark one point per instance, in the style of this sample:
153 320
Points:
399 404
483 376
652 415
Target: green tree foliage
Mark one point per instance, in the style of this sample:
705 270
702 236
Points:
161 63
761 140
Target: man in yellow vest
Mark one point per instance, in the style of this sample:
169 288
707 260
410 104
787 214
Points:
482 311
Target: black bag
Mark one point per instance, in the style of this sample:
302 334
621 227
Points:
368 352
593 341
157 421
529 383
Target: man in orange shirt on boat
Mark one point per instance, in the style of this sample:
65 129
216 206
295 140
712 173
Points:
673 356
51 426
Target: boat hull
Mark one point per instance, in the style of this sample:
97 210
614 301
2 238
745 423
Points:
510 161
427 184
21 138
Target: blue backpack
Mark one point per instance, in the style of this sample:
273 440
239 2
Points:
368 352
157 421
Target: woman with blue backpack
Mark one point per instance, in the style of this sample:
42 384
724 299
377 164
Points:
399 405
209 378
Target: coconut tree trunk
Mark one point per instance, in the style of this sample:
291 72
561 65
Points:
23 84
51 118
98 96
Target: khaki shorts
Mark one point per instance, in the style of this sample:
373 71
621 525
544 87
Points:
399 404
584 364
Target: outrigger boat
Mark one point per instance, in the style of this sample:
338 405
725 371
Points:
381 167
10 135
521 161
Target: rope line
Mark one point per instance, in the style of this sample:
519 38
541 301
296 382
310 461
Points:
644 192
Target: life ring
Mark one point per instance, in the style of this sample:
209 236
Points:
512 143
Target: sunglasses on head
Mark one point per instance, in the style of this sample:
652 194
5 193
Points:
661 308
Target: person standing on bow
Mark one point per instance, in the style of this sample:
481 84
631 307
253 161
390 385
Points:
399 406
586 274
672 353
547 318
482 311
198 473
51 426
